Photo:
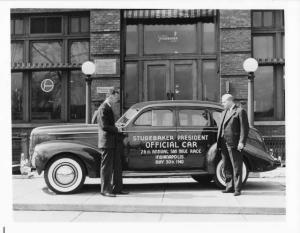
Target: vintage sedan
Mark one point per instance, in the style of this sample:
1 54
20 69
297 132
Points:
161 139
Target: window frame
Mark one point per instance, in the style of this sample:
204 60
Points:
174 123
193 109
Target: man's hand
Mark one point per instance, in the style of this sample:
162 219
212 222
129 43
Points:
240 146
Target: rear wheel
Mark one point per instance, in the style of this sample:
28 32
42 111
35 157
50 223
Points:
65 174
219 177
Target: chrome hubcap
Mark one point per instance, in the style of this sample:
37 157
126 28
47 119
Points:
65 174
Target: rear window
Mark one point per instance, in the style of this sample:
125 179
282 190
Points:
193 117
156 118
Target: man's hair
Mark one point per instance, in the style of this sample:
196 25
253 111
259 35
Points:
228 97
112 91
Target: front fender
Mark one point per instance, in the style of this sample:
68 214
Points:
90 156
211 157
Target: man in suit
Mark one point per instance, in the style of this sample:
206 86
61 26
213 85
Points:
232 136
111 170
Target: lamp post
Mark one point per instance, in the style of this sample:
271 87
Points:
88 68
250 66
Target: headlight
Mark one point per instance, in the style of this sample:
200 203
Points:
33 157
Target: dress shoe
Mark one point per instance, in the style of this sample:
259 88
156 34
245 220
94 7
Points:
237 193
121 193
108 194
227 191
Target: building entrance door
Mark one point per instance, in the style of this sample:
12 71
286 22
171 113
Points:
170 80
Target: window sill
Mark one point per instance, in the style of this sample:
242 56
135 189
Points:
269 123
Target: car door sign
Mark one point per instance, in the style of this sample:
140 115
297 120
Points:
170 150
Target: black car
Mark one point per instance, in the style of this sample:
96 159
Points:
161 138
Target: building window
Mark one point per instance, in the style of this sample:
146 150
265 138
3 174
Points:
17 26
79 24
40 25
52 78
268 49
46 95
131 39
17 96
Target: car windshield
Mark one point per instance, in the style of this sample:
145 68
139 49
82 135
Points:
127 116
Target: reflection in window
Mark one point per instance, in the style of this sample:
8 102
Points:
46 95
131 39
162 118
217 118
191 117
131 83
144 119
46 52
77 97
79 52
210 81
208 38
16 96
263 47
264 92
16 52
169 39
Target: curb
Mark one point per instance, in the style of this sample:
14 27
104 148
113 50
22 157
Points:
152 209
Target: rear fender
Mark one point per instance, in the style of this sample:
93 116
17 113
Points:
90 156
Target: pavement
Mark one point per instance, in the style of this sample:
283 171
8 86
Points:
263 195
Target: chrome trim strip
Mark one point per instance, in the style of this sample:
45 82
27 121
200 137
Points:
95 132
162 173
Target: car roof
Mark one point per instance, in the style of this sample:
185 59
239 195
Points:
167 103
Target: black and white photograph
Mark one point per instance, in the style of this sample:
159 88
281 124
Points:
148 114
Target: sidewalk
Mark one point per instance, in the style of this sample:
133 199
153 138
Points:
157 195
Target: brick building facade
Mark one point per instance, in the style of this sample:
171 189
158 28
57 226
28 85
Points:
101 34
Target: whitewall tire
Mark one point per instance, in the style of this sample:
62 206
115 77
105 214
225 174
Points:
65 174
219 177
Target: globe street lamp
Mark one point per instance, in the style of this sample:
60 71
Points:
88 68
250 66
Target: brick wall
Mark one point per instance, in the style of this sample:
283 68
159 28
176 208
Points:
105 44
235 47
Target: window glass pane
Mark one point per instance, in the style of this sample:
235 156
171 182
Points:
162 118
283 46
74 24
46 95
210 81
79 52
77 95
264 91
17 96
256 19
37 25
263 46
217 118
170 39
46 52
156 76
16 52
268 19
208 37
131 83
53 25
183 77
191 117
131 39
144 119
18 26
84 24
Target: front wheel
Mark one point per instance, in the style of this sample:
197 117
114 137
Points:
65 174
219 177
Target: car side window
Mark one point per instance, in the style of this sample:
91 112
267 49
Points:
193 117
216 117
144 119
155 118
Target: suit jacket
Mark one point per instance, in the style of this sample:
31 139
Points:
107 131
236 127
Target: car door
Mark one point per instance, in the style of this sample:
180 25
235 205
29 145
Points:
151 139
195 134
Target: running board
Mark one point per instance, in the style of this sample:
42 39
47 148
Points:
133 174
